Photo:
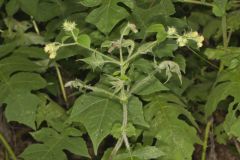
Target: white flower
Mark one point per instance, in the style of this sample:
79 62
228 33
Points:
191 35
182 41
171 31
52 49
69 26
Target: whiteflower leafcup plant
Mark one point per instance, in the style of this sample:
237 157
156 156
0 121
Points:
121 82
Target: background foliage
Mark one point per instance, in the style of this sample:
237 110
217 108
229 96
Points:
188 109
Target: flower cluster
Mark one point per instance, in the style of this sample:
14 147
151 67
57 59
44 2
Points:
69 26
52 49
182 40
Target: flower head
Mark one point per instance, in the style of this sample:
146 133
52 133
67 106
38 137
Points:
52 49
132 27
182 41
69 26
171 31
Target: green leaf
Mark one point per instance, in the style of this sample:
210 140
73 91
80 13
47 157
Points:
145 17
141 153
169 130
49 111
219 7
227 84
108 14
232 121
165 49
146 48
84 40
170 67
151 86
42 10
135 110
98 115
52 146
21 103
95 61
5 49
12 7
90 3
1 2
161 32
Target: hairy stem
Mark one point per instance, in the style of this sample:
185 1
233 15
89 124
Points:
7 146
99 90
205 143
124 102
60 79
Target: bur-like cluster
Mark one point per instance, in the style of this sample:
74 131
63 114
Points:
52 49
69 26
182 40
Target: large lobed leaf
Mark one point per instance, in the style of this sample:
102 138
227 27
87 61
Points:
169 130
108 14
15 89
98 115
53 144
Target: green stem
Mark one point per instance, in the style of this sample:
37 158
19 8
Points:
224 32
7 146
124 102
99 90
134 55
205 143
237 146
60 79
35 26
111 60
205 60
225 39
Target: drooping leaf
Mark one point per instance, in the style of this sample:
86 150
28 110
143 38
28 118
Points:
53 144
98 115
170 67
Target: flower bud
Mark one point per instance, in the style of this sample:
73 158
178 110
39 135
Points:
69 26
171 31
52 49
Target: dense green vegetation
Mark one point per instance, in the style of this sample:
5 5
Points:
119 79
